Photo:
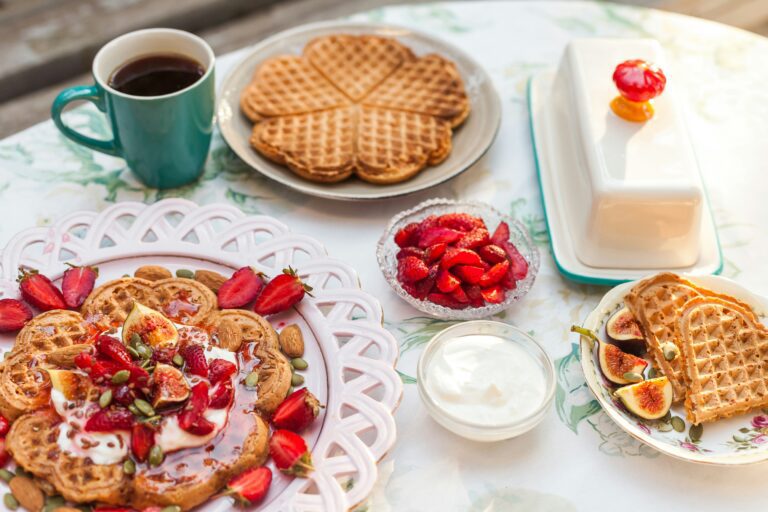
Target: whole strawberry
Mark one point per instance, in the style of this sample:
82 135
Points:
281 293
296 412
251 486
39 291
290 453
77 284
240 289
13 315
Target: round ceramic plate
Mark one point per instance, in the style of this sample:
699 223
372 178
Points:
470 140
734 441
351 356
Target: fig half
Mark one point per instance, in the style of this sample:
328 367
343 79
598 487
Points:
168 386
617 365
154 329
624 329
650 399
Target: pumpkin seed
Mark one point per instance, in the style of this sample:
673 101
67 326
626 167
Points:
129 467
252 379
152 419
10 501
135 339
185 273
133 352
6 475
695 432
55 501
135 410
121 377
145 351
299 363
144 406
664 427
670 351
297 380
105 399
171 508
678 424
49 508
156 456
631 377
178 360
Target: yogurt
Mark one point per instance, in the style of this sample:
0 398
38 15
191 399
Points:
485 380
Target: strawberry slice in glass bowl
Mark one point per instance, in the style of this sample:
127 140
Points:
487 238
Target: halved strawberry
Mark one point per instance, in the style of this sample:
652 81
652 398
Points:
410 251
406 236
240 289
77 284
108 420
438 235
194 356
447 282
454 256
468 273
13 315
251 486
411 269
281 293
220 369
475 238
494 294
290 453
492 253
39 291
142 440
460 221
114 350
222 396
296 412
435 252
441 299
495 274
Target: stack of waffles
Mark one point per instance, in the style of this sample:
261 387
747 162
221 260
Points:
355 104
722 367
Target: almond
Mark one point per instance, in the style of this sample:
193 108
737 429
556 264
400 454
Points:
64 357
211 279
230 335
27 493
152 273
292 341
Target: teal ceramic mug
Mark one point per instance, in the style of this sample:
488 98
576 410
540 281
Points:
164 139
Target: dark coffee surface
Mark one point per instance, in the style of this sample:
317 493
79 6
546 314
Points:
155 75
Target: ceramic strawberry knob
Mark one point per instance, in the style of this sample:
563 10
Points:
638 83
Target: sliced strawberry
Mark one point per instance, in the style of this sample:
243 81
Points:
114 350
142 440
423 287
460 221
447 282
290 453
501 235
475 296
468 273
39 291
438 235
240 289
109 420
455 257
435 252
459 295
139 377
5 426
251 486
222 395
494 294
407 236
444 300
281 293
411 269
220 369
492 253
191 416
410 251
475 238
77 284
296 412
519 265
13 315
494 275
194 356
508 282
84 360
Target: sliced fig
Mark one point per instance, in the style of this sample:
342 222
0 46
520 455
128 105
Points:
168 386
617 365
154 329
624 329
650 399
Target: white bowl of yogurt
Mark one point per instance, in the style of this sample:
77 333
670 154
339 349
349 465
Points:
486 381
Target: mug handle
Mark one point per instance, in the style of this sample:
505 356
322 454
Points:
86 93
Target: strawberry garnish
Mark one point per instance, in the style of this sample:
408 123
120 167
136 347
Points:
411 269
251 486
281 293
108 420
194 356
406 236
290 453
83 360
39 291
494 294
191 416
13 315
296 412
438 235
455 257
492 253
475 296
240 289
77 284
142 440
494 274
114 350
222 395
5 426
447 282
220 369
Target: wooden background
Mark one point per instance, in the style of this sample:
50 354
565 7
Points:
47 45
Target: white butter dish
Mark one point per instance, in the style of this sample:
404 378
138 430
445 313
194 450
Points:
622 199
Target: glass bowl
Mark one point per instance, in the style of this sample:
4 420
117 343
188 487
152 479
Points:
482 431
387 255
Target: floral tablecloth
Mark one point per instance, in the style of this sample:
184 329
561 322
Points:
577 459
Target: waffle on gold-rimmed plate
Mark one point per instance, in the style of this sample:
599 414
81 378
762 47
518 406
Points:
351 355
470 140
739 440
